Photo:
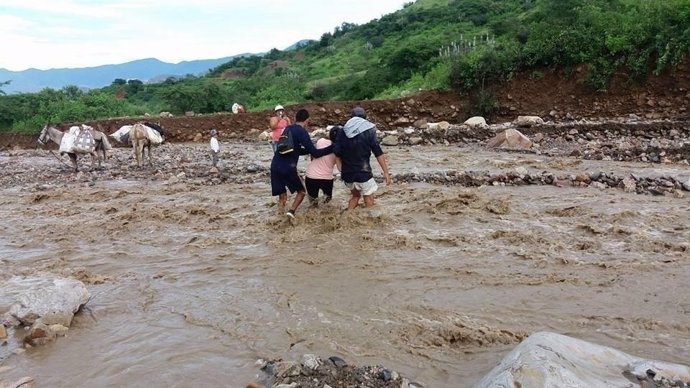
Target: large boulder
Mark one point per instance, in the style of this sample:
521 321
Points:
552 360
512 139
28 299
528 121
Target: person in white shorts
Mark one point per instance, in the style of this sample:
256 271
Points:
353 148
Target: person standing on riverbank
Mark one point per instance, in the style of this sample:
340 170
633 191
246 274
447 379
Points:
353 149
214 147
279 121
284 174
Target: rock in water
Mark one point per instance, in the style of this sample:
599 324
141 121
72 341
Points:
31 298
552 360
510 138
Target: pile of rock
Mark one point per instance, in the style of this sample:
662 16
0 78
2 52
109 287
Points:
521 177
542 360
628 138
315 372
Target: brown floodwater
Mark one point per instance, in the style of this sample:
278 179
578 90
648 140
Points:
191 284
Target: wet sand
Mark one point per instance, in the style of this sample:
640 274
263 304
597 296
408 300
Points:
193 279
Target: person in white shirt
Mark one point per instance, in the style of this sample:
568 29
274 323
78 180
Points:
214 147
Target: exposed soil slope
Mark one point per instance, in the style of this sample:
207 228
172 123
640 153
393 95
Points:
546 93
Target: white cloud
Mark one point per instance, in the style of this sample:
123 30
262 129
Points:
79 33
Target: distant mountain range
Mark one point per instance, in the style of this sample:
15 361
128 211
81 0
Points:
34 80
147 70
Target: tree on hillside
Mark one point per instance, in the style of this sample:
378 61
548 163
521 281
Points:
72 92
3 84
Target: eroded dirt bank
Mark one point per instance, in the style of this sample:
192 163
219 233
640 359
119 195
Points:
551 94
196 274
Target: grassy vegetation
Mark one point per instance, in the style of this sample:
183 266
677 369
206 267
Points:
466 45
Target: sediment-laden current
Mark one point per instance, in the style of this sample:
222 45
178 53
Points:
194 275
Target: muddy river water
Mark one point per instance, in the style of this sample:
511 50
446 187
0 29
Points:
192 283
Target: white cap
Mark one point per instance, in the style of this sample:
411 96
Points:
278 107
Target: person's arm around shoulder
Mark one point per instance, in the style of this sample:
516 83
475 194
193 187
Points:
305 141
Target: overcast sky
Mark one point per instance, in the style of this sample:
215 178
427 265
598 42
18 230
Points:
47 34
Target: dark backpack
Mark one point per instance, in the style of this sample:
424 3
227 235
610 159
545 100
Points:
285 144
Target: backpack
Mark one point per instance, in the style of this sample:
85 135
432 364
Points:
285 144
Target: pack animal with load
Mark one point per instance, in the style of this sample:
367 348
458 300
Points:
78 140
141 135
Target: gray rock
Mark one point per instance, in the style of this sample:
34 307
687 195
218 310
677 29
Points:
510 138
337 361
390 140
31 298
311 361
40 334
552 360
416 140
598 185
528 121
421 124
686 185
386 375
521 171
476 122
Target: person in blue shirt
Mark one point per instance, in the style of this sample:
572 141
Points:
284 174
353 148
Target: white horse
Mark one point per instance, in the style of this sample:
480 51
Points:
55 135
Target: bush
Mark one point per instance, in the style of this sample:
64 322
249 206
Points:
484 104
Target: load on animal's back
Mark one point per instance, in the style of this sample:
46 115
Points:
141 135
155 131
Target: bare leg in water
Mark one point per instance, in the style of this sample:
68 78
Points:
298 200
282 201
354 199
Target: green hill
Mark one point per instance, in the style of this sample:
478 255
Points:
467 45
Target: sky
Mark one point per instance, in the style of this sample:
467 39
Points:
48 34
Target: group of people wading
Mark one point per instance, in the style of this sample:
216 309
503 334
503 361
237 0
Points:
348 148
